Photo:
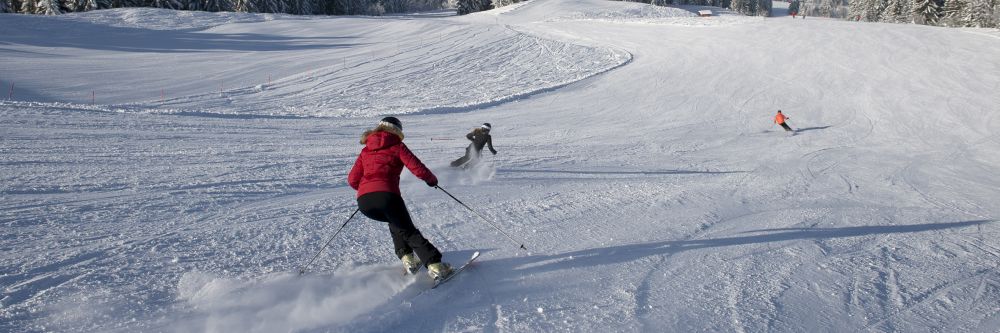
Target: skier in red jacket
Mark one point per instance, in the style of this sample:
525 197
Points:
375 176
780 120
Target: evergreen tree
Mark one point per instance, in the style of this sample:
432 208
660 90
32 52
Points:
867 10
894 11
28 7
245 6
977 13
69 6
167 4
951 13
274 6
4 6
216 5
472 6
996 13
48 7
764 8
925 12
305 7
738 5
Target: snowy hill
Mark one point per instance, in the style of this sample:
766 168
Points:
171 171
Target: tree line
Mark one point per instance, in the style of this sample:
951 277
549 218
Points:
297 7
952 13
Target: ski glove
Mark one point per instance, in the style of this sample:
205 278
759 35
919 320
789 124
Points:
432 184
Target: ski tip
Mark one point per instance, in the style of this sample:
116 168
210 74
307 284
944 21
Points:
475 254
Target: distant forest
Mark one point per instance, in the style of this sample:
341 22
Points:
298 7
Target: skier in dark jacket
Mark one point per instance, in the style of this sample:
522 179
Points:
375 176
480 137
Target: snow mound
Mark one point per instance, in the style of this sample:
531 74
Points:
427 78
629 12
642 13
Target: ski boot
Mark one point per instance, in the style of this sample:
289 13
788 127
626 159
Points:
439 270
411 264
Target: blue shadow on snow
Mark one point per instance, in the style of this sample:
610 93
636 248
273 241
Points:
90 36
625 253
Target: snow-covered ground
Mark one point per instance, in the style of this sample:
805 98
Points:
152 179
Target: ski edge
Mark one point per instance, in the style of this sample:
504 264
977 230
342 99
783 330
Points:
458 270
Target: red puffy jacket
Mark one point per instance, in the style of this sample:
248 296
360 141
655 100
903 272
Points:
380 163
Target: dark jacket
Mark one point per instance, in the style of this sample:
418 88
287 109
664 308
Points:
481 138
378 166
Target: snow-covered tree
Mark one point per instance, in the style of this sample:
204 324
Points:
739 6
27 7
472 6
89 5
48 7
867 10
245 6
996 12
751 7
896 11
978 13
826 8
925 12
4 6
951 14
69 6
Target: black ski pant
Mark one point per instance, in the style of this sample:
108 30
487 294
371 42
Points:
785 126
389 207
471 154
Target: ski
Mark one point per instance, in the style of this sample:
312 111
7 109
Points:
456 271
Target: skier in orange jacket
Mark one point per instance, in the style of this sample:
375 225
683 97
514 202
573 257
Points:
780 120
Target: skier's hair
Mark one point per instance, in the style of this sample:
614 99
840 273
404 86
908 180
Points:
382 128
479 130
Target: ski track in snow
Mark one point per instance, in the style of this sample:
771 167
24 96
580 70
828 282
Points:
637 162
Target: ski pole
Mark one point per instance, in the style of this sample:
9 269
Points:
481 216
303 269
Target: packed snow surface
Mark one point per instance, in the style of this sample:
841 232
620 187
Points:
168 171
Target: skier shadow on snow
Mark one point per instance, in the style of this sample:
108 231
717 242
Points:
649 173
800 130
624 253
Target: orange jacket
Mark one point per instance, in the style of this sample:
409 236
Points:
779 119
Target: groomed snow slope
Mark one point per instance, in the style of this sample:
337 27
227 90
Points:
639 164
